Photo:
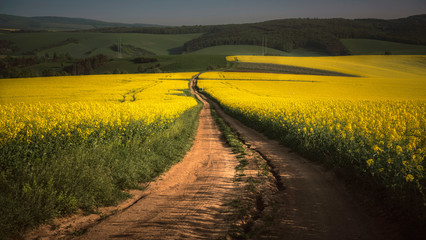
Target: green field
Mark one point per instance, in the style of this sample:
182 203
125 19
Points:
254 50
167 48
86 44
377 47
90 44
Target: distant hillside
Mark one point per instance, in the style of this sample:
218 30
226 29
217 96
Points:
321 34
84 44
57 23
289 34
378 47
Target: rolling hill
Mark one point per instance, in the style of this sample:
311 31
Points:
283 35
79 44
288 34
58 23
37 52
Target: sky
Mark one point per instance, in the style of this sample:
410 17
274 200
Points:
204 12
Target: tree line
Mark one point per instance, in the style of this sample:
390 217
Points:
86 66
7 47
16 67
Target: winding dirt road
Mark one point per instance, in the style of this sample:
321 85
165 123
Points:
189 201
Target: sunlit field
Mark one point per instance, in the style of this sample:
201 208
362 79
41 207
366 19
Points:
69 143
371 127
78 107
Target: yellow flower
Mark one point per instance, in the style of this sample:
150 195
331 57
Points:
399 150
409 178
370 162
76 115
377 149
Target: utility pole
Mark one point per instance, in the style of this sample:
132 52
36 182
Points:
264 45
119 48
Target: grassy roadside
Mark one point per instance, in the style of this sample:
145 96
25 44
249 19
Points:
229 134
88 176
256 183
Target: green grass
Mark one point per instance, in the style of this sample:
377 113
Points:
41 181
229 134
94 43
254 50
377 47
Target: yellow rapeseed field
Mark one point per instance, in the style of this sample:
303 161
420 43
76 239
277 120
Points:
374 123
78 106
392 66
76 142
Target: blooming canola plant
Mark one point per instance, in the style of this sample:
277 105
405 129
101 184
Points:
372 122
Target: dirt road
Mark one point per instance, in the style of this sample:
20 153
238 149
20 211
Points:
188 202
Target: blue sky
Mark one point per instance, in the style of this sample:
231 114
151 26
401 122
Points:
194 12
